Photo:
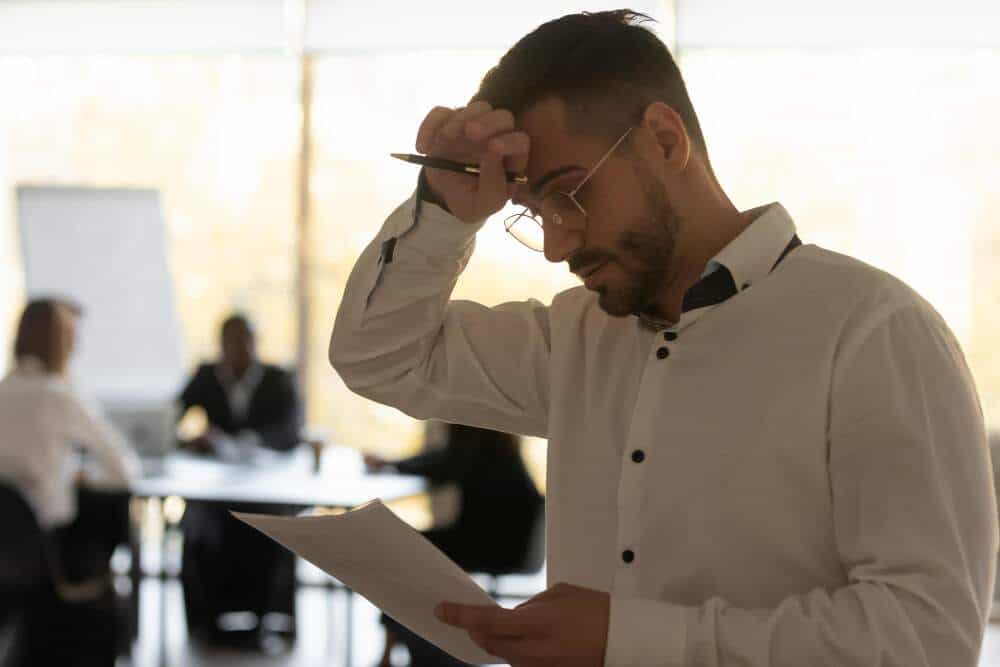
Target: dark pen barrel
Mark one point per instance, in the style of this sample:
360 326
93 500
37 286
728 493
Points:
451 165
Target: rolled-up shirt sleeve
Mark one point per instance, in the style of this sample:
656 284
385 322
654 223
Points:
915 527
400 340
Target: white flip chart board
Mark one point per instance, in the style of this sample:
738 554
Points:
105 248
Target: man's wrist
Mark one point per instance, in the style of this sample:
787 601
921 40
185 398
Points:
426 193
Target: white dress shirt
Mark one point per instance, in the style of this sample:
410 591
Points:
797 476
239 390
43 419
243 446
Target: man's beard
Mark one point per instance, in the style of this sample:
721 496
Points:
649 244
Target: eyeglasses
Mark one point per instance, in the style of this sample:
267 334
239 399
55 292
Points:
557 208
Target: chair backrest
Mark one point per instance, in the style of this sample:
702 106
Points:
23 564
29 560
534 558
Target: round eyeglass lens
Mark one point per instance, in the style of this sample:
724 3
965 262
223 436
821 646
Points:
527 230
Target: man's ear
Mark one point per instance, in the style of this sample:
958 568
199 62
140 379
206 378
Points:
669 134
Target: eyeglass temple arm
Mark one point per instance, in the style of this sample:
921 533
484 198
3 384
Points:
603 159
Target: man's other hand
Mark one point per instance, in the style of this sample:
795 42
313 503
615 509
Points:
564 626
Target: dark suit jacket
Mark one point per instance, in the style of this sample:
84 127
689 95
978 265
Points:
274 411
499 504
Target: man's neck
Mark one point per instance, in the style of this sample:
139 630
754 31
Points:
701 238
237 372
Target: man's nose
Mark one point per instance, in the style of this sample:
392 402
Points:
561 241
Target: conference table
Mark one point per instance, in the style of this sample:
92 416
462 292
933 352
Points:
304 478
274 478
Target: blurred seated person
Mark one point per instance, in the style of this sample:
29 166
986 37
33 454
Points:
248 404
50 433
46 422
229 567
498 509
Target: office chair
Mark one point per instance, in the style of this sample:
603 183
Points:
534 559
43 615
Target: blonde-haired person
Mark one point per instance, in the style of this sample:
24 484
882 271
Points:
44 418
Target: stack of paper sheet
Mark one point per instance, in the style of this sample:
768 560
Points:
382 558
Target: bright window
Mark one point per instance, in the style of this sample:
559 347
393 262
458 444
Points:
890 155
215 134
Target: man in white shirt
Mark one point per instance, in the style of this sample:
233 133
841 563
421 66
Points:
761 453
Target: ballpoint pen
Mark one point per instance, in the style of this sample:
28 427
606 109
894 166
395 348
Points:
450 165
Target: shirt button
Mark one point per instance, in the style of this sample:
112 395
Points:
638 456
670 335
662 353
628 556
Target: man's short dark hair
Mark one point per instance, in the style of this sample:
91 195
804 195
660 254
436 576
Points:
36 329
236 320
605 66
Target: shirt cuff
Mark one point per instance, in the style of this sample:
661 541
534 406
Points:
434 231
646 632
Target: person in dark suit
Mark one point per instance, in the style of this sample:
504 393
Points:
247 403
228 566
498 510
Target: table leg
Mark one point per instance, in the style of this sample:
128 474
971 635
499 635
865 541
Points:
135 572
349 628
161 577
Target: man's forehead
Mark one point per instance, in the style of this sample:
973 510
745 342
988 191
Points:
555 149
544 121
552 145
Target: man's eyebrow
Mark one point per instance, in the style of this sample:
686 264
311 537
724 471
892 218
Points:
537 188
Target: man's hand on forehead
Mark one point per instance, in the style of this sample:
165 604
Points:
481 135
475 129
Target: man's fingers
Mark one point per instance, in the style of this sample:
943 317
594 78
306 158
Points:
455 126
430 126
495 622
493 122
551 593
492 177
500 149
514 147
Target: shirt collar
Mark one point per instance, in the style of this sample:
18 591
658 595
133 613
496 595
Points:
749 257
250 378
753 253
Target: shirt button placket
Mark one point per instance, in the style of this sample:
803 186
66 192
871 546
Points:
663 351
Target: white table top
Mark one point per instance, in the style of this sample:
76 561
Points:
275 478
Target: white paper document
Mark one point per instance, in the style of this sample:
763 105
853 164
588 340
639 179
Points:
379 556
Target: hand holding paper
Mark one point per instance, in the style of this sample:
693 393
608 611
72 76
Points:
379 556
565 626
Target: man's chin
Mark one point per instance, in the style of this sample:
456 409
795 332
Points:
613 304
